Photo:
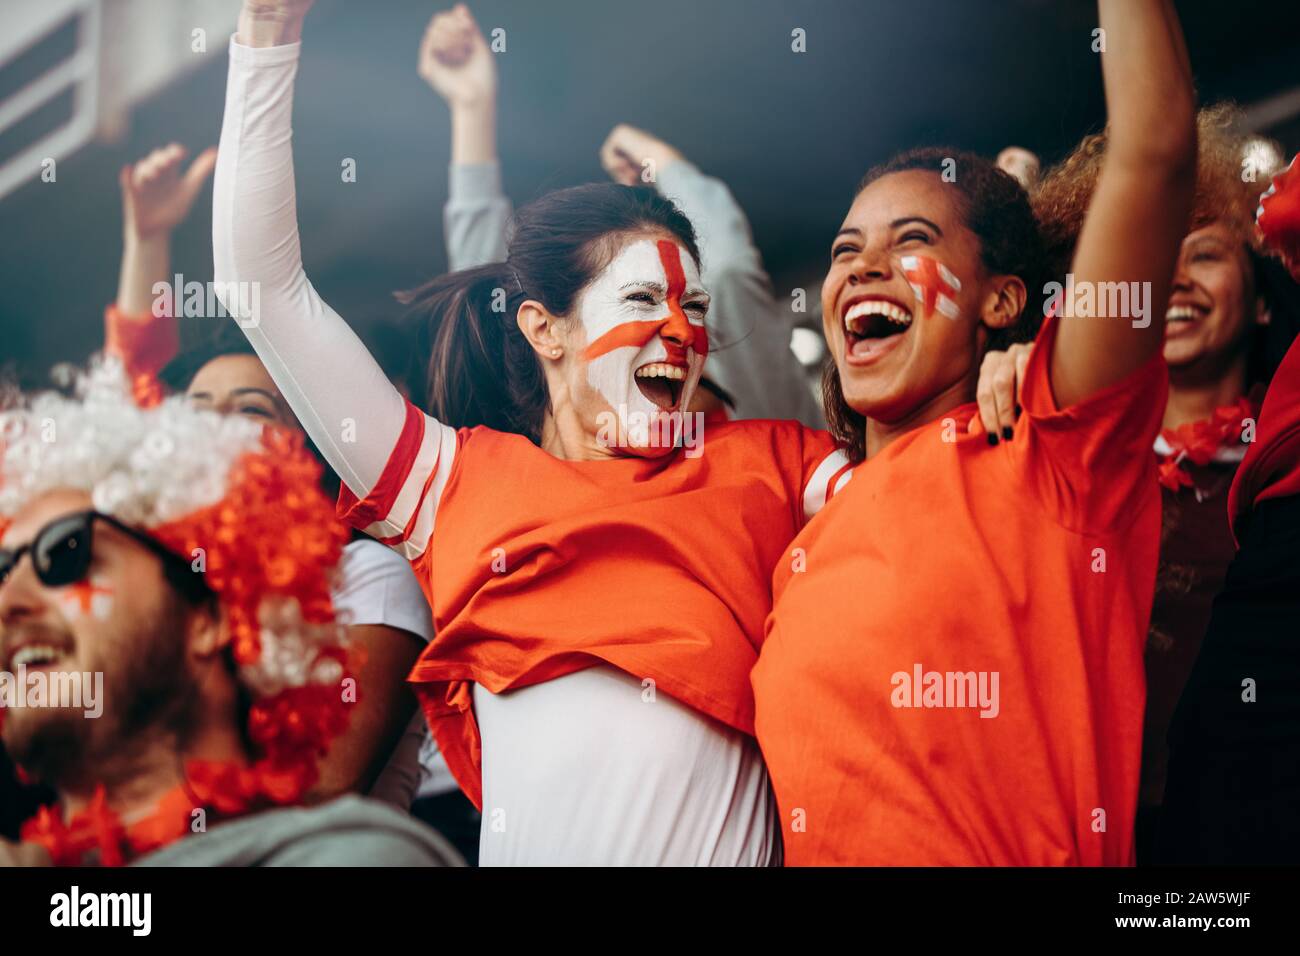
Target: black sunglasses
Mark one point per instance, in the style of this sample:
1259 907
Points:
61 552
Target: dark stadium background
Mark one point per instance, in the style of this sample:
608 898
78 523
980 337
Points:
790 133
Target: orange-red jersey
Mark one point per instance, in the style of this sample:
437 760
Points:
537 567
1271 468
954 674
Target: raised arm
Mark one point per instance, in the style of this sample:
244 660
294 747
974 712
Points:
754 363
157 195
456 62
339 393
1139 212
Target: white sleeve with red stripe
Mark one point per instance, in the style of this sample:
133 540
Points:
400 509
830 475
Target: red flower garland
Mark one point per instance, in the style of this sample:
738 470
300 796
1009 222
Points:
1198 441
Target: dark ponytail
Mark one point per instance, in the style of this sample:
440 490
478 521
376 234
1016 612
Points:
478 367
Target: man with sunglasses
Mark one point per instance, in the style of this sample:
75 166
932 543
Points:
177 554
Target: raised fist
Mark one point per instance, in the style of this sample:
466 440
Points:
628 154
455 59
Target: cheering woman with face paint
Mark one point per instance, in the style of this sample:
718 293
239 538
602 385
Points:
599 580
957 677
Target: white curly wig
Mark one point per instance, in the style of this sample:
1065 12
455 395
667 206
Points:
158 467
144 466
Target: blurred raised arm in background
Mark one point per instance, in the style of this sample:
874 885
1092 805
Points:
158 192
753 370
456 62
752 364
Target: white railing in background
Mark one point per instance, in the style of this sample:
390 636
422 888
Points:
126 51
26 23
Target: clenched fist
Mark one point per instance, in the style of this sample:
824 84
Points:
628 153
455 59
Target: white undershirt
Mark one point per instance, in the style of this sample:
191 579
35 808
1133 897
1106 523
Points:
584 770
377 586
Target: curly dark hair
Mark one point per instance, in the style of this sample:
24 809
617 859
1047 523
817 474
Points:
1224 194
1062 197
996 209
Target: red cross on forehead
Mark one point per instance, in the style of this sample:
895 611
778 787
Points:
671 257
675 324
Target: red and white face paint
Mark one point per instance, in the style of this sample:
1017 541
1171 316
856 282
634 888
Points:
934 285
89 597
646 339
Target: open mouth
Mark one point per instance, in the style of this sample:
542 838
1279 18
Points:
873 325
1182 313
35 656
661 384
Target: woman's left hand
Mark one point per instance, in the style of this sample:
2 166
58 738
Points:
1002 375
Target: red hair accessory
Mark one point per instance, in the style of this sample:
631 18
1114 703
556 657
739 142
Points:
244 505
1278 217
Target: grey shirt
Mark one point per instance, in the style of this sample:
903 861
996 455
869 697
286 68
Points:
347 831
748 328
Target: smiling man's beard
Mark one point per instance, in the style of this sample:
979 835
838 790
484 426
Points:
148 692
42 739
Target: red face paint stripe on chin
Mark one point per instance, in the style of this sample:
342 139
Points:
675 323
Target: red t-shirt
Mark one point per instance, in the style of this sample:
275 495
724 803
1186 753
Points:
946 556
1271 468
1272 465
540 567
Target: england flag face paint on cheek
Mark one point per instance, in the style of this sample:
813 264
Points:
934 285
644 323
88 597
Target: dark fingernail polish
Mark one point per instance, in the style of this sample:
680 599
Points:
1018 409
1007 432
993 438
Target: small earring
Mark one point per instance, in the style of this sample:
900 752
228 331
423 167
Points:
555 353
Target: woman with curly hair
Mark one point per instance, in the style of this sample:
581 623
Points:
1232 786
952 670
1226 329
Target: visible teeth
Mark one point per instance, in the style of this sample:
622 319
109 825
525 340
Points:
855 319
661 370
34 654
1180 313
